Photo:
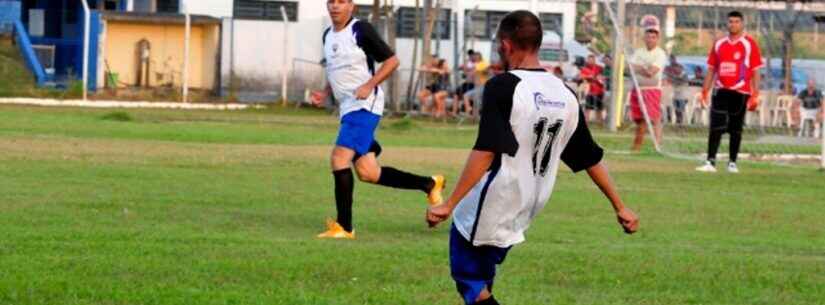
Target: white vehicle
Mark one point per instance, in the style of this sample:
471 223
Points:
554 53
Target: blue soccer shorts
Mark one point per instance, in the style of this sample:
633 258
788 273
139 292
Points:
357 132
473 268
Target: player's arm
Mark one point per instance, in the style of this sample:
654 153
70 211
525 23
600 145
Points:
582 153
495 137
753 102
318 97
387 68
706 86
601 177
477 165
375 47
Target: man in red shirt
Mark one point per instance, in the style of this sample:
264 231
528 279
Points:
733 62
592 73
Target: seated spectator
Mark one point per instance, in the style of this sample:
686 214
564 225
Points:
437 74
481 73
468 73
810 100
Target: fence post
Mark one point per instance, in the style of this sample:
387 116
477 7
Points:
87 18
187 37
285 63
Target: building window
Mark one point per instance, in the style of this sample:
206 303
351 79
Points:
483 24
551 22
265 10
405 23
110 5
363 12
168 6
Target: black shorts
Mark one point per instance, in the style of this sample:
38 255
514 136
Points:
436 87
727 111
464 88
594 102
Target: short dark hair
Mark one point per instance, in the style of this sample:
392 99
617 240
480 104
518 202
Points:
735 14
471 52
523 28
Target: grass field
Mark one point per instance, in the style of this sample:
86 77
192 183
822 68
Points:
169 207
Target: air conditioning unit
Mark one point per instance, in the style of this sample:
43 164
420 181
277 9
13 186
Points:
45 55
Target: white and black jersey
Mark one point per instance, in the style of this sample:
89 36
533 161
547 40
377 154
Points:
531 120
350 56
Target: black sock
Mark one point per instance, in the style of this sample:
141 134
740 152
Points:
344 184
713 145
399 179
489 301
735 142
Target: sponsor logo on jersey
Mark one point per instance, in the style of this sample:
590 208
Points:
727 68
737 55
542 101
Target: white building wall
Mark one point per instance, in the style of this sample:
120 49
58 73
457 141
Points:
254 49
214 8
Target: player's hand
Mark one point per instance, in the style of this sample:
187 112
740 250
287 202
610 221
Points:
363 92
318 97
753 102
438 213
704 98
628 220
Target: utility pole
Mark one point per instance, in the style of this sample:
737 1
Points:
614 107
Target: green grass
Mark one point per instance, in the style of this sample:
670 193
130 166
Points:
171 207
17 81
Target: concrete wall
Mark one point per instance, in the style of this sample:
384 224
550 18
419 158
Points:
253 49
166 59
214 8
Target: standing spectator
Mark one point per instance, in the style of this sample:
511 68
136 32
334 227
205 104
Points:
481 73
810 101
607 72
734 62
591 72
677 79
648 62
438 73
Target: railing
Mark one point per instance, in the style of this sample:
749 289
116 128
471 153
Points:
28 53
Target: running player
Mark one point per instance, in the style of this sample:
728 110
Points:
351 49
530 121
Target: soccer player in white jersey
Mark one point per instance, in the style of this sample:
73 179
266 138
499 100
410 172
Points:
351 50
530 122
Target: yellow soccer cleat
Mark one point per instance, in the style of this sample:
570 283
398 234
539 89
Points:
334 230
434 197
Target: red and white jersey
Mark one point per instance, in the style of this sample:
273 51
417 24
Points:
735 62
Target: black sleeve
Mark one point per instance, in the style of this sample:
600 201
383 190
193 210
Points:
581 152
324 36
495 134
372 44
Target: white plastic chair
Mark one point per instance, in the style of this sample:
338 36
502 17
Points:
781 111
695 108
809 115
